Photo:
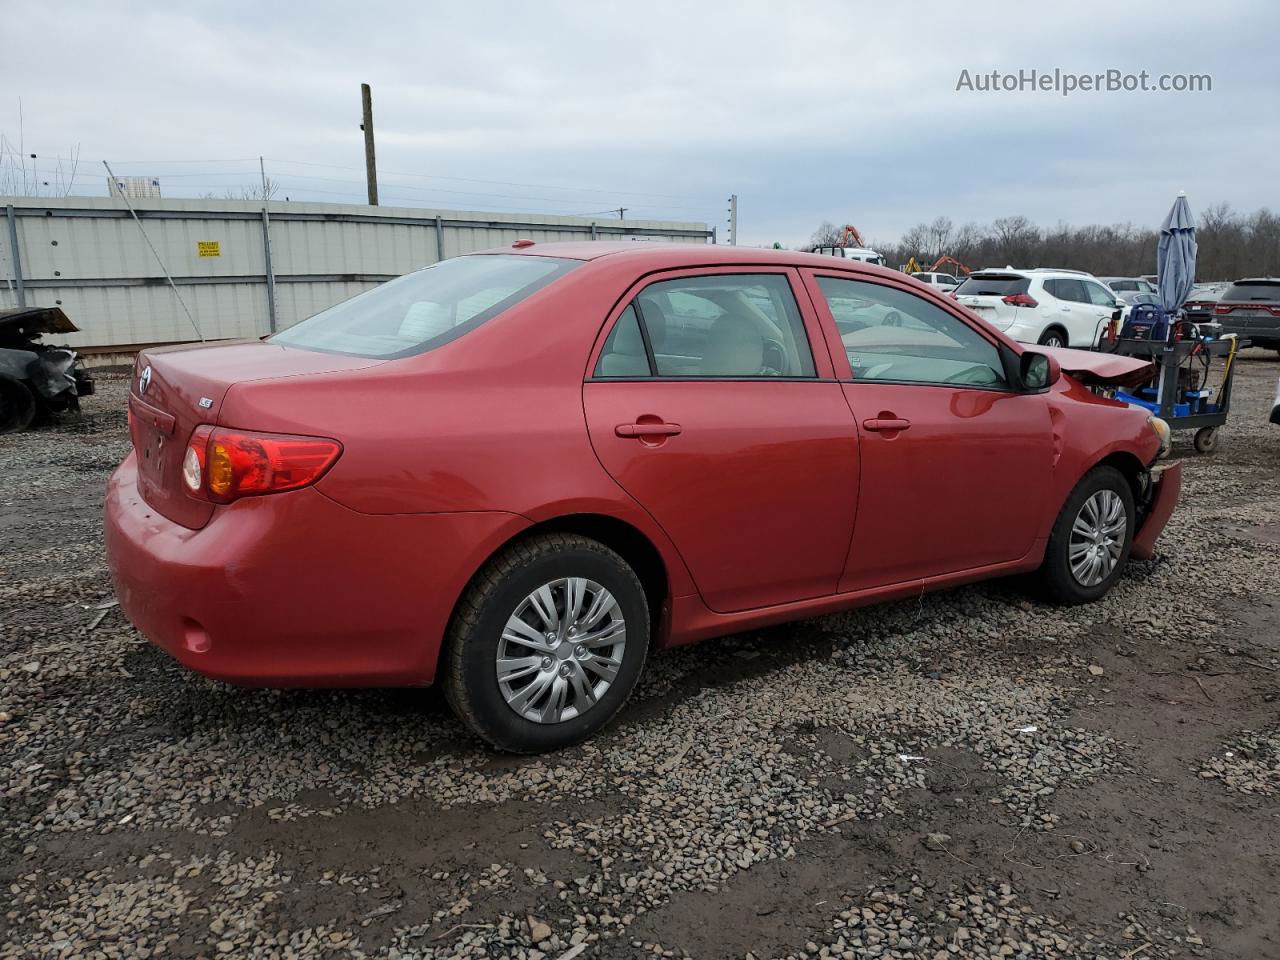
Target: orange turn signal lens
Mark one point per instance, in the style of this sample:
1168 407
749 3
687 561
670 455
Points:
223 465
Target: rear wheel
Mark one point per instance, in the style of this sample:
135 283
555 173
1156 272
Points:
1053 337
17 405
1090 541
547 644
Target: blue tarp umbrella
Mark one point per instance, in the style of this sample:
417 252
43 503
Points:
1176 255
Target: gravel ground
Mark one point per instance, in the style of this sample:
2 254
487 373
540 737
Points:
971 775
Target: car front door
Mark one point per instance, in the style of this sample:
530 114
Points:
708 405
1102 304
954 461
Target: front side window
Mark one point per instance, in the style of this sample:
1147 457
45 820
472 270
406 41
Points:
724 325
1099 295
422 310
890 334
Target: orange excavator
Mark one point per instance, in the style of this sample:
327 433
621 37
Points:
914 267
851 237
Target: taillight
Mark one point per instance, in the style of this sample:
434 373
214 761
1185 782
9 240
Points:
1020 300
222 465
1223 309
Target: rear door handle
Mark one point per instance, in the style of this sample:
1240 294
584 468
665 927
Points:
881 424
647 429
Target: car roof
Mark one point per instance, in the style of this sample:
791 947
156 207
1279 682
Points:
657 255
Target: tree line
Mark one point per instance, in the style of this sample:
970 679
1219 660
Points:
1231 245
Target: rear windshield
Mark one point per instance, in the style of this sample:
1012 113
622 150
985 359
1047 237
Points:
992 285
1267 291
422 310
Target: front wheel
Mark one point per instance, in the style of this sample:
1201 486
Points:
1090 541
547 644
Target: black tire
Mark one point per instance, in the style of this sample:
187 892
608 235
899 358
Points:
471 647
17 405
1052 334
1057 580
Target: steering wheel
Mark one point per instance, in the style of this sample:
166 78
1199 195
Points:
976 375
892 319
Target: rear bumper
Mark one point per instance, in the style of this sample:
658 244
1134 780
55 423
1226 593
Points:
1164 497
296 589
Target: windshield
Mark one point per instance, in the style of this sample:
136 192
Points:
1245 291
992 285
422 310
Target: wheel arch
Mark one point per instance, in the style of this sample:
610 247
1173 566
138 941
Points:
628 541
1052 326
1130 467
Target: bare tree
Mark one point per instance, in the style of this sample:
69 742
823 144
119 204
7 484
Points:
827 235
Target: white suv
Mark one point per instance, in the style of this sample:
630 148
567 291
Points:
1056 308
942 282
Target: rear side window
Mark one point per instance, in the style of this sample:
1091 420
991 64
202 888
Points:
1067 289
624 354
1265 291
992 285
724 325
422 310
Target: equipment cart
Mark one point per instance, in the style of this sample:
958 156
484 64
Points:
1180 393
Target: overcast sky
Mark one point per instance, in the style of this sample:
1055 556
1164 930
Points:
836 110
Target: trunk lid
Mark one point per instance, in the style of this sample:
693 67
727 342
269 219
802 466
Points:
176 389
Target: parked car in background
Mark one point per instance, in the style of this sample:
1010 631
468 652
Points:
1202 299
1251 308
1132 298
1129 284
1055 308
516 472
944 282
861 254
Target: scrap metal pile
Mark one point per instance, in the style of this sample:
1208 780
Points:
37 379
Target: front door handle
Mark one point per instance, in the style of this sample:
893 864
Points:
647 429
883 424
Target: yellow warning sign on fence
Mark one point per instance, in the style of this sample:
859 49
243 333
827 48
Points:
209 248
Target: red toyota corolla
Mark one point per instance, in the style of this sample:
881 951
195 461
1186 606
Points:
516 471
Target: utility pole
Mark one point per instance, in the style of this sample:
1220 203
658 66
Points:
262 172
733 220
370 163
622 213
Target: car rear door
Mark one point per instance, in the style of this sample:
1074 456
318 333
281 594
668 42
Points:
708 404
954 462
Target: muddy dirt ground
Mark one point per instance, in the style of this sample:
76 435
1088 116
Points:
970 775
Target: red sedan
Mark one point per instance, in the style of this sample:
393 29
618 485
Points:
516 471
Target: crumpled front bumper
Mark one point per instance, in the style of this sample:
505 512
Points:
1166 480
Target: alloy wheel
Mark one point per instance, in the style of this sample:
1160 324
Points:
1097 538
561 650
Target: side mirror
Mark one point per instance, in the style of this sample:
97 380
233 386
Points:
1038 371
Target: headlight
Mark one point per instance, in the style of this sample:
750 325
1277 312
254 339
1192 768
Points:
1161 430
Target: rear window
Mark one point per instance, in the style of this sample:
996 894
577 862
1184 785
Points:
422 310
992 285
1266 291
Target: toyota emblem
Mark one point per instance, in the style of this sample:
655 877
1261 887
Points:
144 380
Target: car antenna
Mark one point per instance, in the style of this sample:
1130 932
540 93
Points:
125 197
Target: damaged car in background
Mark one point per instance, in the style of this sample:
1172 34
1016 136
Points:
37 379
